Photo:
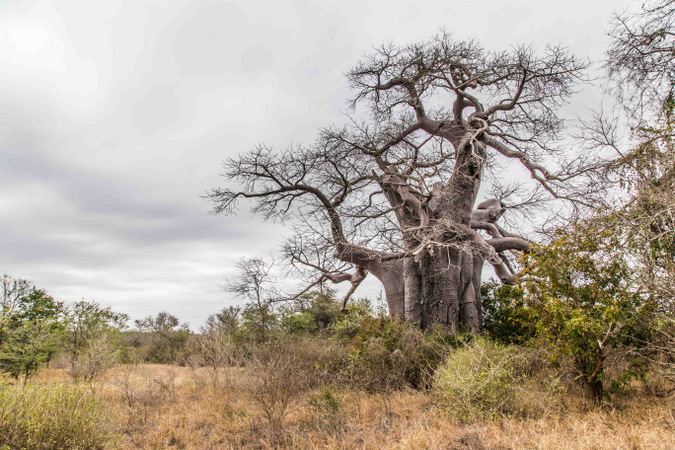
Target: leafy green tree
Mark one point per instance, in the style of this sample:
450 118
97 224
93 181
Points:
87 321
27 347
37 306
259 320
13 290
584 303
32 333
227 321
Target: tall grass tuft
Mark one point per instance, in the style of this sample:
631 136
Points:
53 417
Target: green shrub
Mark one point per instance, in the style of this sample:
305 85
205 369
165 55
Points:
392 354
349 323
311 312
482 380
328 407
506 316
298 323
163 339
52 417
586 305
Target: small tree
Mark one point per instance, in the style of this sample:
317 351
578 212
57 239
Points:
31 333
506 315
87 321
584 303
255 284
641 69
311 311
27 347
13 290
227 322
168 337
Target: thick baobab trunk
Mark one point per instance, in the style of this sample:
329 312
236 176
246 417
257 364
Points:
441 282
441 289
451 290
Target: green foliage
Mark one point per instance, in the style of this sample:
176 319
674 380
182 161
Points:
506 316
258 320
87 321
54 417
584 304
312 312
299 322
31 333
348 324
27 347
227 321
328 407
35 307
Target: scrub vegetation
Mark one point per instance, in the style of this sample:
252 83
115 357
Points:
572 347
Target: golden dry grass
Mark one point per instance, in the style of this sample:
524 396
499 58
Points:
159 407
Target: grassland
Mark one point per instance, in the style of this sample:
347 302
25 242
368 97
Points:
163 406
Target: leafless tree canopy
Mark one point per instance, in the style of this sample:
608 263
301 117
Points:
394 195
641 65
641 59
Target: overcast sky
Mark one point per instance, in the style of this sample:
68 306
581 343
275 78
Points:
115 117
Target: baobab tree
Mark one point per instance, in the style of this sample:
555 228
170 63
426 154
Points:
393 195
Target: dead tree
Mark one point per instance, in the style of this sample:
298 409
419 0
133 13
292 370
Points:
394 195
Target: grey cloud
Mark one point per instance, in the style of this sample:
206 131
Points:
16 247
160 109
212 41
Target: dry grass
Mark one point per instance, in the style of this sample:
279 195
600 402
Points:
157 407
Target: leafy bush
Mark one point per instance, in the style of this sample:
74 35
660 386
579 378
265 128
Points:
299 322
507 317
328 407
54 417
311 312
31 326
349 323
392 354
481 380
585 304
27 347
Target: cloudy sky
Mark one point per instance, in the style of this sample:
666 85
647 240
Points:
115 117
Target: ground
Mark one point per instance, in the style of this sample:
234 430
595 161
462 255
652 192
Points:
161 406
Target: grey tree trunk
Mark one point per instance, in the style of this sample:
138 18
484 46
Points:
443 289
